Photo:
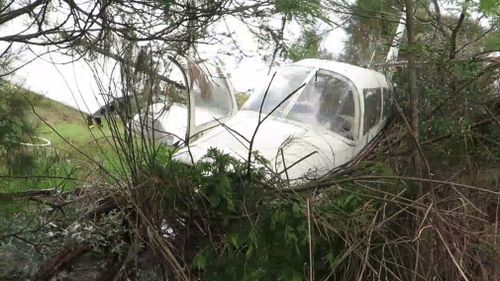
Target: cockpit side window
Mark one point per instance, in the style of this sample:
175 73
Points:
373 108
327 101
387 102
211 96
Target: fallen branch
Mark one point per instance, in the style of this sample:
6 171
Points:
27 194
325 184
58 262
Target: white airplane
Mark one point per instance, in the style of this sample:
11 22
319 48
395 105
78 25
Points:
311 117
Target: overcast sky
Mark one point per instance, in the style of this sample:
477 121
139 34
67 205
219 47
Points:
74 84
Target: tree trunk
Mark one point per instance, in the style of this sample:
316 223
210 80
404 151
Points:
412 84
413 109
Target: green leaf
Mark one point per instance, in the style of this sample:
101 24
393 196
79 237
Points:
493 43
296 276
489 6
200 261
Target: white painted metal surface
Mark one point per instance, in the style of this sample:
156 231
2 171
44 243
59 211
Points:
304 144
166 124
336 111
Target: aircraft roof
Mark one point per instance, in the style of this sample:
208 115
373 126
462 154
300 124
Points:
361 77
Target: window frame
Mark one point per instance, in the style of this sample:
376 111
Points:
194 131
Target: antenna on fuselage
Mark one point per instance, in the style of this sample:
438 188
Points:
371 59
393 53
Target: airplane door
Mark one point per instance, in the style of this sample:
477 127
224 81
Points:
211 100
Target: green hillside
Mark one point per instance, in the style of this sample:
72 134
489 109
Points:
75 148
61 124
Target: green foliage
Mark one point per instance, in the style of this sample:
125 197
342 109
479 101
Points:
14 126
41 170
307 10
370 29
453 101
308 46
236 227
490 7
493 42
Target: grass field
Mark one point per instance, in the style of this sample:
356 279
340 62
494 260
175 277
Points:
61 120
73 147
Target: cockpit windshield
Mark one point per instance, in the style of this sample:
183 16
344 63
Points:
286 81
326 101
